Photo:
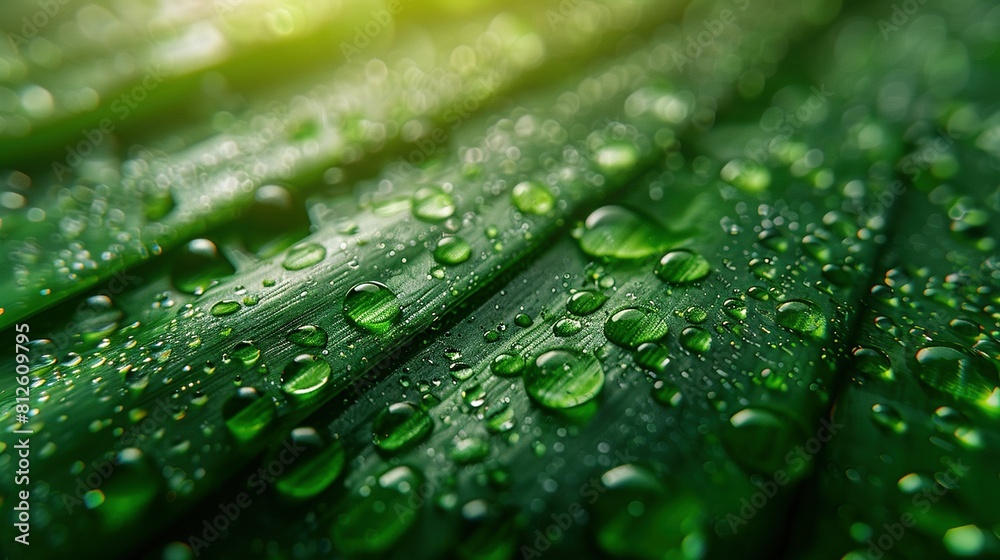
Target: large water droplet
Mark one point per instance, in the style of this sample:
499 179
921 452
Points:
637 517
315 464
303 256
308 336
400 426
376 516
616 157
758 439
633 326
564 378
585 302
305 375
955 372
532 197
432 204
696 339
873 363
682 267
452 250
801 316
247 413
614 232
96 318
246 353
507 365
224 307
372 306
199 266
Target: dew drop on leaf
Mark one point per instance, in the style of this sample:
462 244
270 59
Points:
682 267
303 256
400 426
305 375
532 197
564 378
801 316
634 326
371 306
452 250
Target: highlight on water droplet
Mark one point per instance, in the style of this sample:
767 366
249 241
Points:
433 204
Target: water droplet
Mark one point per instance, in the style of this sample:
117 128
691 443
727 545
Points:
889 417
96 318
246 353
507 365
966 541
614 232
432 204
616 157
400 426
474 395
532 197
696 339
316 464
308 336
653 357
638 517
452 250
801 316
469 450
199 266
372 519
764 268
500 420
955 372
247 413
585 302
567 326
225 307
873 363
735 308
758 439
523 320
372 306
682 267
747 175
303 256
564 379
129 490
305 375
633 326
695 315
